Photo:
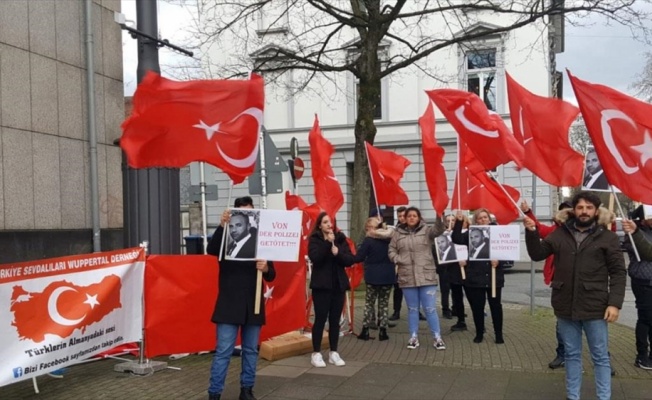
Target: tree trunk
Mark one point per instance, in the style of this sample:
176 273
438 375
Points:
365 131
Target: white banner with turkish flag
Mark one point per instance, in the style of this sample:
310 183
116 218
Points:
59 311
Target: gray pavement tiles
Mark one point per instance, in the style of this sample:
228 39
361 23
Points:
375 370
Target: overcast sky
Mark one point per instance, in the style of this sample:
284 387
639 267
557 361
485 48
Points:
596 52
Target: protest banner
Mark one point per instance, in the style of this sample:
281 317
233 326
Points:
647 211
494 242
61 311
273 235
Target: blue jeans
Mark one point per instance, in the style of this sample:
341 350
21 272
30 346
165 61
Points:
427 297
560 343
226 337
597 336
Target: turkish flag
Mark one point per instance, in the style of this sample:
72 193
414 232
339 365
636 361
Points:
386 169
328 193
484 132
474 189
175 285
541 125
285 298
62 307
433 158
175 123
620 127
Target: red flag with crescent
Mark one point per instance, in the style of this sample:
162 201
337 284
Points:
541 125
474 189
620 127
175 123
485 132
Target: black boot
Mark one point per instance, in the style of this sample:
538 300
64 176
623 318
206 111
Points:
499 338
214 396
382 335
364 334
395 316
246 393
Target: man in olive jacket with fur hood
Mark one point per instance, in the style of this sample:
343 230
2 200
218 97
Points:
588 288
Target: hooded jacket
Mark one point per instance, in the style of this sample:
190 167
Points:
590 276
378 268
411 251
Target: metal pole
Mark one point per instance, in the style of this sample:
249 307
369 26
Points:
202 185
263 169
533 205
151 196
90 120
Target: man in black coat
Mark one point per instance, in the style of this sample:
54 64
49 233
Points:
234 311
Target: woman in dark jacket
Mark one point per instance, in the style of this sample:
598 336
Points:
478 280
330 254
379 275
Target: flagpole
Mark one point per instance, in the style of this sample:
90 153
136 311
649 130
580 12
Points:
506 193
228 202
373 187
622 214
263 196
459 197
202 186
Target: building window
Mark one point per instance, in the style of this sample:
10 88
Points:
381 110
273 18
481 75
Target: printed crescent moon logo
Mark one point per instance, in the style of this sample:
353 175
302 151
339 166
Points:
521 127
54 311
459 113
608 115
246 162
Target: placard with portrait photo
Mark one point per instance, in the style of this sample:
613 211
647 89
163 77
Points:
448 252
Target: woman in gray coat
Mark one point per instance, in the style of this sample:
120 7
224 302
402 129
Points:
411 250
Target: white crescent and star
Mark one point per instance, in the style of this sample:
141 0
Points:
645 148
459 113
210 130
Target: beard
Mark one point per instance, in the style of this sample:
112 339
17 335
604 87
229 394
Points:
584 223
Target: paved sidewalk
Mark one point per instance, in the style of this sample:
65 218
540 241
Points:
376 370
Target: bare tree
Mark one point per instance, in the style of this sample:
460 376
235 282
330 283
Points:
643 85
317 43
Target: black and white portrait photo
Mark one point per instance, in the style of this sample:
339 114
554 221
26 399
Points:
242 237
594 177
445 249
479 243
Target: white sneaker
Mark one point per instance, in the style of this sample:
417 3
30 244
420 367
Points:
317 360
334 358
